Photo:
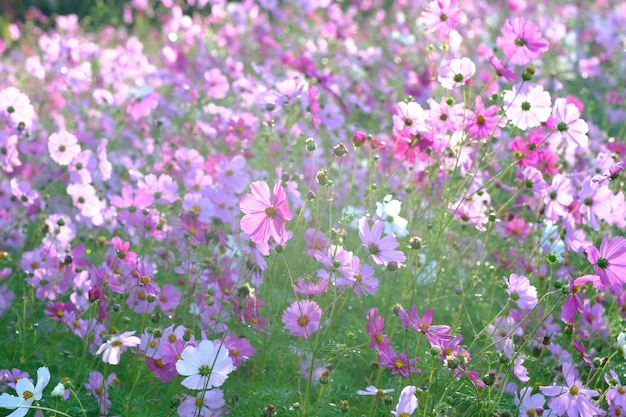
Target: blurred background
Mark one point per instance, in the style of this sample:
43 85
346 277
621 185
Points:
16 9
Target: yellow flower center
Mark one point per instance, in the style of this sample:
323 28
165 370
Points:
270 212
303 320
27 395
573 390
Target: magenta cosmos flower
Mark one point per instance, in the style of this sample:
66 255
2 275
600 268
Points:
610 261
206 366
265 213
521 41
302 318
381 248
456 73
435 334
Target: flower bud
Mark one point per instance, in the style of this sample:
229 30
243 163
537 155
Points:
58 392
359 138
310 144
340 150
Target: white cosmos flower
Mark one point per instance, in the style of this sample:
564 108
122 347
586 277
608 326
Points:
27 393
389 212
206 366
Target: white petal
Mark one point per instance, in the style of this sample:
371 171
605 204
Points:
43 377
10 401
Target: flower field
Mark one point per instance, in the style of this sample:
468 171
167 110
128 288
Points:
315 208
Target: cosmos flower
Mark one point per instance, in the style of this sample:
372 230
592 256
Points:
112 349
265 213
206 366
609 262
302 318
27 393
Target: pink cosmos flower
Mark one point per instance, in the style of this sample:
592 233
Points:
112 349
483 123
63 147
99 388
205 404
239 349
82 167
133 202
302 318
265 213
609 262
141 106
216 83
521 41
521 292
501 70
574 304
410 119
85 198
291 90
163 188
381 248
530 404
311 288
560 195
374 328
569 126
122 249
527 105
441 16
233 173
435 334
456 73
17 106
399 364
572 398
199 205
9 154
595 198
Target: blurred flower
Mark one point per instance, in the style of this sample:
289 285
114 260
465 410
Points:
456 73
441 16
389 212
382 249
112 349
63 147
407 404
521 292
569 126
521 41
